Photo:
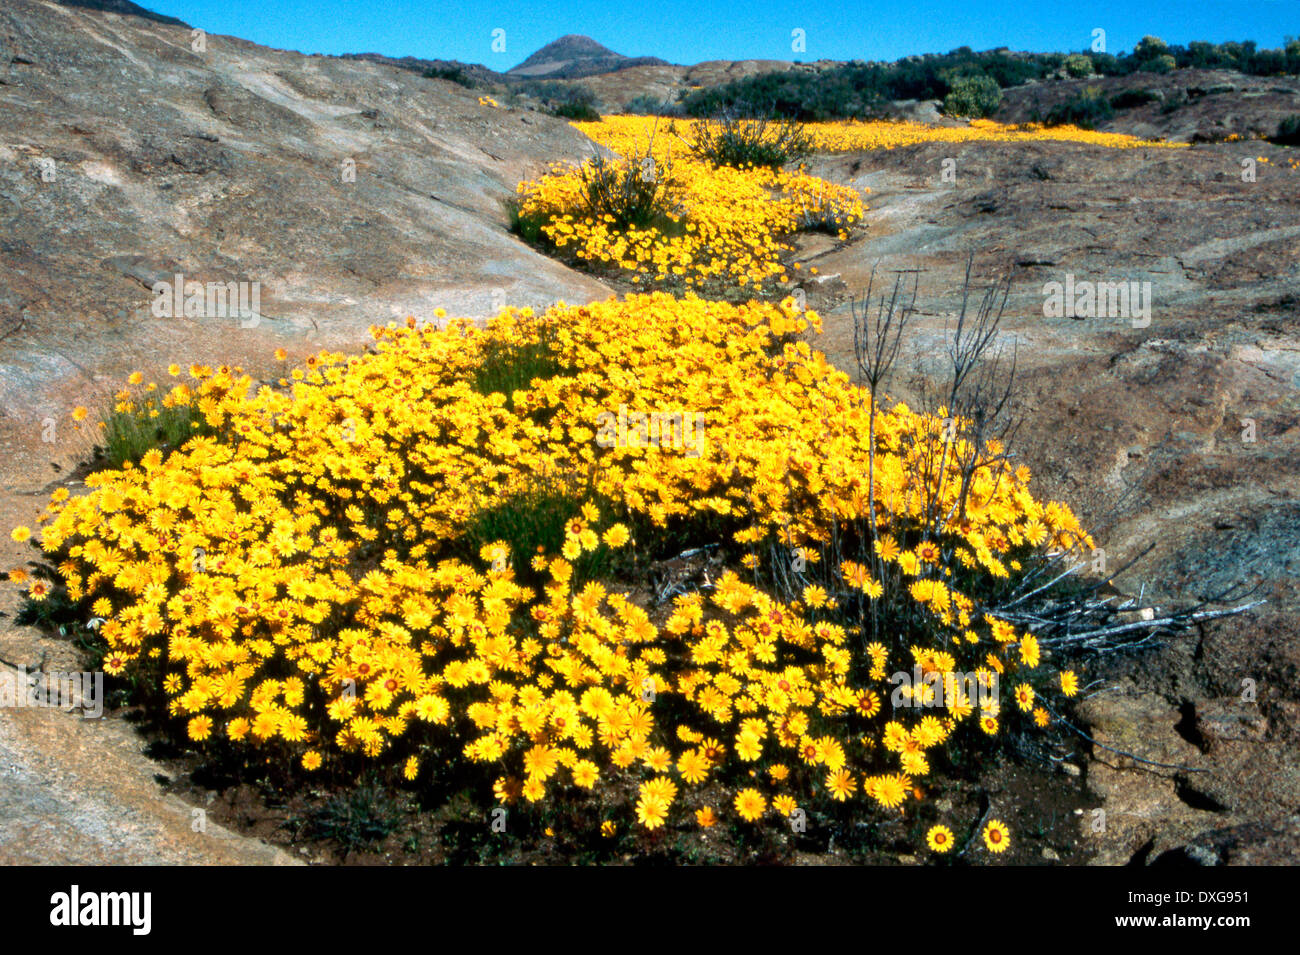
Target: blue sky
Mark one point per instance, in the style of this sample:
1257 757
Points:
689 31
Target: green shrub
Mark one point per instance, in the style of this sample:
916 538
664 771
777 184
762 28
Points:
1130 98
567 100
1160 64
973 96
633 194
1078 64
1085 109
453 73
578 111
733 140
1288 131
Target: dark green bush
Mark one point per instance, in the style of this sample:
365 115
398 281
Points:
569 100
453 73
734 140
579 111
1086 109
860 90
1160 64
1288 131
973 96
1130 98
1077 64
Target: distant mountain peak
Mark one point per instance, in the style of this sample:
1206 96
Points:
575 55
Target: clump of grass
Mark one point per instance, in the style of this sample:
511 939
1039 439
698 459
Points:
507 367
527 227
134 428
732 139
632 193
355 820
535 519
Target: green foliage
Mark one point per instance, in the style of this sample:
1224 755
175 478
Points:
568 100
1160 64
1076 64
632 192
129 435
1086 110
534 520
1130 98
1150 47
355 820
55 612
733 140
645 105
863 90
578 111
973 96
507 368
455 74
527 227
860 90
1288 131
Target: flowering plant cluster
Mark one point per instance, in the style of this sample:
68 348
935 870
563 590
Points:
721 225
301 578
624 134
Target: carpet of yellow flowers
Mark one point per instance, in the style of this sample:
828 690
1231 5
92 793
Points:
624 134
727 225
731 225
293 582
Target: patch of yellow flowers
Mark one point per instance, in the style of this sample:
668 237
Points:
625 133
731 226
293 585
726 226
